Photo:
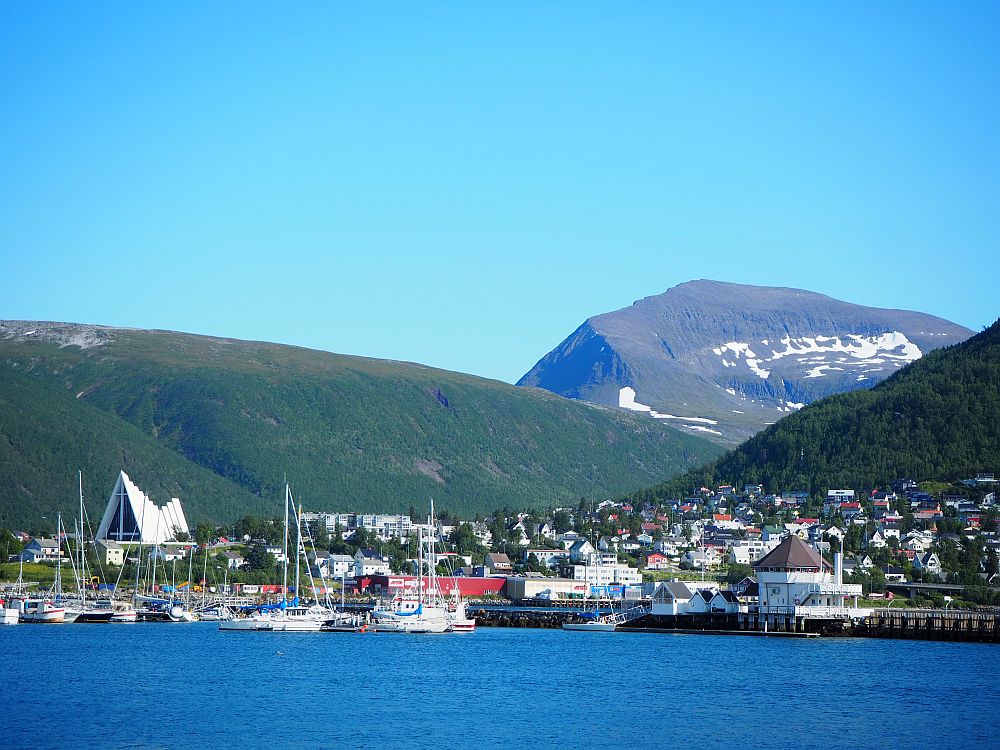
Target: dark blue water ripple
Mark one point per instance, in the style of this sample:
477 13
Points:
167 686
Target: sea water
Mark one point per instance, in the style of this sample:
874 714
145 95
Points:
165 685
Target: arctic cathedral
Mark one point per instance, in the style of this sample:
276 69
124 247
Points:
131 517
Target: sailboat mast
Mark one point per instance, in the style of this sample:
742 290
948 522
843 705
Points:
284 550
79 538
58 556
204 580
432 562
298 547
156 554
190 573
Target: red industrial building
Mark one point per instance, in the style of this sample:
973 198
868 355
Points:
393 584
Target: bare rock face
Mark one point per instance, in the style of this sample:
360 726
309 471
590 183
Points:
725 360
63 334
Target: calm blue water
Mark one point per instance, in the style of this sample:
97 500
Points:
167 686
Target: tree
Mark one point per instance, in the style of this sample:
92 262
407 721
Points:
320 535
203 532
258 558
737 572
464 538
562 520
337 545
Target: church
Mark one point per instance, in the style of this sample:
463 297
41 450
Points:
131 517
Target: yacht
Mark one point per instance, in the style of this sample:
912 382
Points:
422 610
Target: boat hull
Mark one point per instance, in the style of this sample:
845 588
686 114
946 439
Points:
597 627
94 616
42 612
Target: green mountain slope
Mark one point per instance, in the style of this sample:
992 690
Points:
351 433
938 418
46 435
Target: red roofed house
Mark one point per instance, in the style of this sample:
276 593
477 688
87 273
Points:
656 561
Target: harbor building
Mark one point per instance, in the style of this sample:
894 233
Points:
131 517
796 585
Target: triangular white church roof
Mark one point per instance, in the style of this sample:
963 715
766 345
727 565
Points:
132 517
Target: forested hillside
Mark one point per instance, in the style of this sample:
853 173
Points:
937 419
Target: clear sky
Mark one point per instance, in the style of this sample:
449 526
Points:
464 184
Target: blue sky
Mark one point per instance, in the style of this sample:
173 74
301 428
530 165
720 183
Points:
464 185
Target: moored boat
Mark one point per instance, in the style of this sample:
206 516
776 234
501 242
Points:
41 610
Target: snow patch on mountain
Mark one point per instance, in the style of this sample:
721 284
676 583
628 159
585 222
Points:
626 400
821 353
699 428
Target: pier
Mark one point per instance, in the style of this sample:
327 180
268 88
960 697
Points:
917 624
932 625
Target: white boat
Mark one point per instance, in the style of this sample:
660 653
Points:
9 615
258 621
41 610
409 614
300 619
123 612
459 621
599 626
422 610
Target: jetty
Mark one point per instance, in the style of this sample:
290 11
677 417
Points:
931 625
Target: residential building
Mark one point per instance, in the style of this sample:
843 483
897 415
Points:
41 549
369 562
497 563
112 552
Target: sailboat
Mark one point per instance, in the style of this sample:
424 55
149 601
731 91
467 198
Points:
286 617
592 620
422 610
45 609
80 609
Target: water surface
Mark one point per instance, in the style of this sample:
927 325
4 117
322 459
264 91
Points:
158 685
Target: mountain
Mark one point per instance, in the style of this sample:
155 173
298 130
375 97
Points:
218 422
726 360
936 419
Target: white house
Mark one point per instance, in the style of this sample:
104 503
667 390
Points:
114 554
746 551
328 565
368 562
707 557
671 598
724 603
927 563
701 602
794 579
581 550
